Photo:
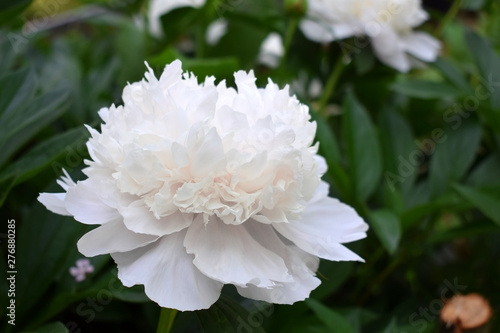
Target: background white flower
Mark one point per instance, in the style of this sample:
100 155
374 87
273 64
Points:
158 8
271 50
198 185
215 31
388 23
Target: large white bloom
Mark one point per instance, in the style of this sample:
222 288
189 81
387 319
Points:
198 185
388 24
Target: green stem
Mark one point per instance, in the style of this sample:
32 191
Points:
167 317
452 12
331 84
290 32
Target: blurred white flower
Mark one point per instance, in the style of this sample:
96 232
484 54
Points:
83 267
215 31
158 8
198 185
388 23
271 50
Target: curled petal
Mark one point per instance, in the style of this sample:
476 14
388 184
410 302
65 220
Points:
138 218
323 227
229 254
112 237
168 274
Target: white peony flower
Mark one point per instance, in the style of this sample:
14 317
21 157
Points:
388 23
158 8
195 186
215 31
271 50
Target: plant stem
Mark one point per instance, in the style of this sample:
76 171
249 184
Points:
166 320
452 12
331 84
290 32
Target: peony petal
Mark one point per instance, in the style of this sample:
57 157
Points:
168 274
229 254
422 46
302 267
318 32
83 202
324 226
54 202
138 218
388 48
112 237
215 31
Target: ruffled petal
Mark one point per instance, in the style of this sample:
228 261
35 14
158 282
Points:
112 237
323 227
137 217
229 254
168 274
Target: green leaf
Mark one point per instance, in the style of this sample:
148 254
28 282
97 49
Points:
488 62
11 9
228 316
333 274
178 21
27 119
68 144
15 88
392 327
484 201
453 156
387 227
334 321
53 239
425 89
358 317
482 174
362 148
481 227
329 149
397 144
6 185
7 54
452 74
57 327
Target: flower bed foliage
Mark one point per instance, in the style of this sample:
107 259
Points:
408 121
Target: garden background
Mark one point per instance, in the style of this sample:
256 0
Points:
416 154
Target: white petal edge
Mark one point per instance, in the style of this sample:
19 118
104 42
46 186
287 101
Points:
112 237
326 224
138 218
302 267
422 46
83 202
389 49
229 254
168 274
54 202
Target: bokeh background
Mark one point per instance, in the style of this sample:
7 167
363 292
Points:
417 155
